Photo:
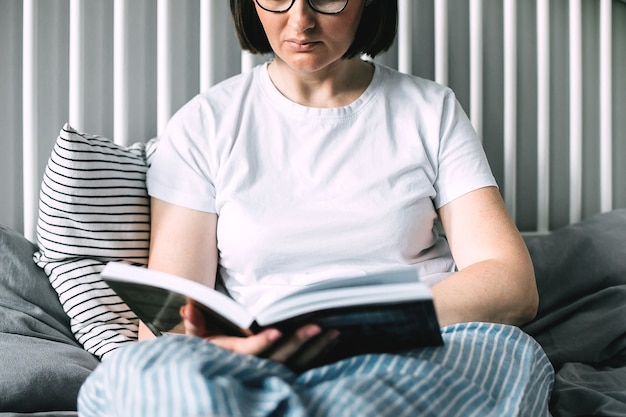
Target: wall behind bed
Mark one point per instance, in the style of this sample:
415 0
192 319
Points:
543 81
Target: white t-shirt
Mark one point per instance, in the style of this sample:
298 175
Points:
304 194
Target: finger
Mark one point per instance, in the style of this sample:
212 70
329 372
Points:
295 342
251 345
316 349
194 321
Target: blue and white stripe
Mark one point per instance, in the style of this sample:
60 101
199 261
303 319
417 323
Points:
482 370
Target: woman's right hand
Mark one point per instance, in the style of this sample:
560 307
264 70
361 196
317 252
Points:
296 351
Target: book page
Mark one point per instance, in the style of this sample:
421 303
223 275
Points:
381 288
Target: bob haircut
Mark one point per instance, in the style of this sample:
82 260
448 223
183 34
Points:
375 33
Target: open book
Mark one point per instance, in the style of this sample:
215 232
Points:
382 312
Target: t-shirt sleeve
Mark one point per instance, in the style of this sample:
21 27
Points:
462 164
182 171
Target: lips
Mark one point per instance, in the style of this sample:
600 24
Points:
302 45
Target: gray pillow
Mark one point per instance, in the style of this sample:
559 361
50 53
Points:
42 365
581 323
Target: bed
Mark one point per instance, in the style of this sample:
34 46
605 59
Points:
581 274
563 180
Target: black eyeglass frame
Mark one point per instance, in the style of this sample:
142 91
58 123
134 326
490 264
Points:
310 2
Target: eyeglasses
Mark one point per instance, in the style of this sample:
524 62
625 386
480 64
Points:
320 6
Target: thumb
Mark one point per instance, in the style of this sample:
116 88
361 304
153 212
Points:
194 321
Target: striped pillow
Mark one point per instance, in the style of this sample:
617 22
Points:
93 208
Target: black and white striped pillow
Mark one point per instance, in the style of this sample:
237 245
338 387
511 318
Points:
93 208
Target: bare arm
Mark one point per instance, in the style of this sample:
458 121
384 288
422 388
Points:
182 242
496 281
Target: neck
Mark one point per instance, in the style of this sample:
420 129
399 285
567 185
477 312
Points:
336 86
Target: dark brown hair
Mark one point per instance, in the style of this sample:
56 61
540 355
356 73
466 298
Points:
375 34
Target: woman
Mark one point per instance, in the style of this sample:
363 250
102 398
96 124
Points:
318 164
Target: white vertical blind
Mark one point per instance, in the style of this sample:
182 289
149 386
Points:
543 115
510 106
405 36
99 34
441 41
476 65
77 64
29 117
606 105
575 109
121 71
164 62
207 73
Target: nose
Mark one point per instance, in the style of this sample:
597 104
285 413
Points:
301 16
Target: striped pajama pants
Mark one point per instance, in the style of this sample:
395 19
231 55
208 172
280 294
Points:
482 370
